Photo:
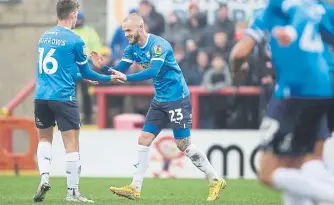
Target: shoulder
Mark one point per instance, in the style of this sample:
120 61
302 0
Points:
158 43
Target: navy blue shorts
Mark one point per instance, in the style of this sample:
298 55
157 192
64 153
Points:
177 114
65 113
330 116
292 126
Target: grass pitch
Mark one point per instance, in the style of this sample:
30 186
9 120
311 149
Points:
20 190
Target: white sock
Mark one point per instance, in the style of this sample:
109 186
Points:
317 168
299 183
291 199
44 157
142 165
199 159
73 169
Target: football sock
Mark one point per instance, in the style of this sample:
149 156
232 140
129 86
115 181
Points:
44 154
73 169
199 159
142 165
297 182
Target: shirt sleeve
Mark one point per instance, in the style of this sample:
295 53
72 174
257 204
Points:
80 51
256 29
159 51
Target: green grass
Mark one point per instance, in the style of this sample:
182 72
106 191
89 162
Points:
19 191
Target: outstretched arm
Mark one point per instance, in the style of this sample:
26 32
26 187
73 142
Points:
151 72
123 66
82 62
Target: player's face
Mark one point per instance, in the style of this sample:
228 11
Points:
131 32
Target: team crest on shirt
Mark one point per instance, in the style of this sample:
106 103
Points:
157 50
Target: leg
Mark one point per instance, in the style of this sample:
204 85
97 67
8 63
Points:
199 159
133 190
68 119
293 136
155 119
44 120
180 118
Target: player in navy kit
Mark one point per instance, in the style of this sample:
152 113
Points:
296 113
171 103
60 54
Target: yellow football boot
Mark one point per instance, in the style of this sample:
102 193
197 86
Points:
127 191
215 189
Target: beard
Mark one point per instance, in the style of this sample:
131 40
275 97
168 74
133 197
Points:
134 39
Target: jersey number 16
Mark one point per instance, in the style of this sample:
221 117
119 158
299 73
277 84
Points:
311 40
48 59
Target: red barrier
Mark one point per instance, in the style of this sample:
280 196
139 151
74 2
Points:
196 91
8 110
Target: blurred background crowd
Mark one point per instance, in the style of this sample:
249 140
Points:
202 50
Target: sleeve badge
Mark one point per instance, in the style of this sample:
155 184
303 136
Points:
157 50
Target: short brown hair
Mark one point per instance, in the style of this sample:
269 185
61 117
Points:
65 7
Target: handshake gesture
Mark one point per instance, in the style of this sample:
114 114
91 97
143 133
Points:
116 77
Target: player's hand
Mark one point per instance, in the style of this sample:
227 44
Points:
118 75
91 82
116 79
283 35
97 60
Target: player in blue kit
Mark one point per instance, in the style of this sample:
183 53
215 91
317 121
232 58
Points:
171 103
294 117
60 54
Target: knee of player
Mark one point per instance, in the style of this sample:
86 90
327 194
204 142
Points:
146 138
183 143
268 165
182 137
264 176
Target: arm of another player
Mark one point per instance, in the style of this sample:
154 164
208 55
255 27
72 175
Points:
159 54
254 35
98 62
79 77
123 66
82 62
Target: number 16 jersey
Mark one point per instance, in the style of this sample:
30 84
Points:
302 70
60 52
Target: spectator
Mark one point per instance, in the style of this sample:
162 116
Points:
174 26
88 34
180 57
194 75
191 53
194 11
217 77
119 42
154 21
194 29
222 24
93 43
220 44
